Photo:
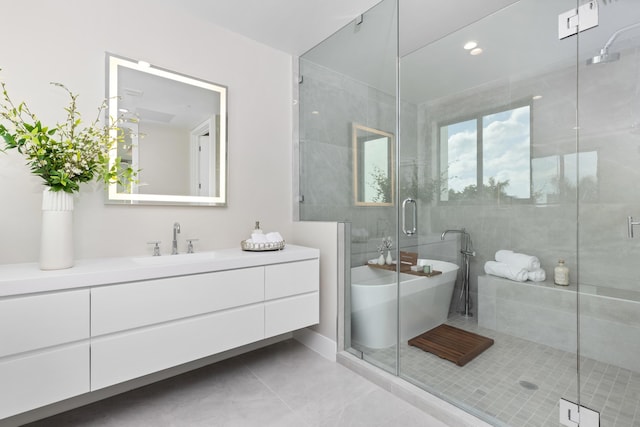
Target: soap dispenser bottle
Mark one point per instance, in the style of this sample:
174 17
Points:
257 229
561 274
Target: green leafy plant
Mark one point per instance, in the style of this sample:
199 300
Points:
381 181
64 155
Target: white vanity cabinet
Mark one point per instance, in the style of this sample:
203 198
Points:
144 327
104 322
141 328
292 296
44 349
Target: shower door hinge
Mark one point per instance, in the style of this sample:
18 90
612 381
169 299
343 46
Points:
576 20
572 415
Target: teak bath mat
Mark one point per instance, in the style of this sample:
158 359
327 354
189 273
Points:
451 343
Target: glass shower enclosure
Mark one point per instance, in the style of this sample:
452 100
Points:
502 148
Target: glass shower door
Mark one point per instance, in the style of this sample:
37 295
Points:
608 211
347 153
488 148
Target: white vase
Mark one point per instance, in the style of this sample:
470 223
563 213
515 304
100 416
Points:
56 239
381 260
389 260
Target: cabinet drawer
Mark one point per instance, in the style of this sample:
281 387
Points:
131 305
29 323
42 378
289 314
133 354
292 278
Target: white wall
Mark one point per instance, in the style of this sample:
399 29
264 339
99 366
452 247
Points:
323 338
324 236
65 41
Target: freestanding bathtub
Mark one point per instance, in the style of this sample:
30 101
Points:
424 303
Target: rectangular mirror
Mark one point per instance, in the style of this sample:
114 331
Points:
173 131
373 166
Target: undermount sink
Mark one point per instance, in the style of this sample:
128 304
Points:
175 259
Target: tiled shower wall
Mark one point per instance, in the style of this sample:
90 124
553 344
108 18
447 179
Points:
550 231
332 103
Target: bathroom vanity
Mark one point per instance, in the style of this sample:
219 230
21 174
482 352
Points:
69 332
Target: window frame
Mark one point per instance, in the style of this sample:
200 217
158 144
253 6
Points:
478 117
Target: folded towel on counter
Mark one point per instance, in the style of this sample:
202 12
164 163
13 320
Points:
258 238
274 237
537 275
507 271
517 260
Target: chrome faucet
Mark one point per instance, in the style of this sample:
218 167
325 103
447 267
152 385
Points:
174 245
466 245
466 249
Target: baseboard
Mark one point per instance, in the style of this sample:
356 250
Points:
322 345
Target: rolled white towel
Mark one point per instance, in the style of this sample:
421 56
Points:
538 275
274 237
258 238
507 271
527 262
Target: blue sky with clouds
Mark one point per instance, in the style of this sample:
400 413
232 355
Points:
506 151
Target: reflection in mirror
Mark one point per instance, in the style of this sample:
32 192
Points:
373 166
173 131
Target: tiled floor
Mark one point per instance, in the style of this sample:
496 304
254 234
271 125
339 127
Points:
495 383
285 385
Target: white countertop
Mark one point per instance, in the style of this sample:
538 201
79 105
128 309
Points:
27 278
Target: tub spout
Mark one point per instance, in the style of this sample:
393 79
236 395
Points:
444 233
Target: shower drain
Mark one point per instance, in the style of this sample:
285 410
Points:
528 385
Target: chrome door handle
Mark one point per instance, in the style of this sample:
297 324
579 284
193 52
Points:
630 224
414 228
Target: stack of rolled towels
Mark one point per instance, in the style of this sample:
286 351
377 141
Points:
272 237
515 266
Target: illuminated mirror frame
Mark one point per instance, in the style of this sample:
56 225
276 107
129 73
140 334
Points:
113 196
359 137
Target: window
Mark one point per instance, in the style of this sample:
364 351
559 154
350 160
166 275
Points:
487 157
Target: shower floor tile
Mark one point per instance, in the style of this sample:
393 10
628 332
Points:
518 382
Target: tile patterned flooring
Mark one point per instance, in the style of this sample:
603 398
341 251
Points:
283 385
490 385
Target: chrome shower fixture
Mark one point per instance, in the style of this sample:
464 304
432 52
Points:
606 56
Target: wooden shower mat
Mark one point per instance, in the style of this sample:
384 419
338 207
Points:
451 343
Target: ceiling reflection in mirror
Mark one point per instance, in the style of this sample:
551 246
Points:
173 132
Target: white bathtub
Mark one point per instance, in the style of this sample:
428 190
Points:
424 303
545 313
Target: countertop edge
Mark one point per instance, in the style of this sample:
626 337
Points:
27 278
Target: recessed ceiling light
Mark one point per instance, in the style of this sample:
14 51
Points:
476 51
470 45
315 112
536 97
